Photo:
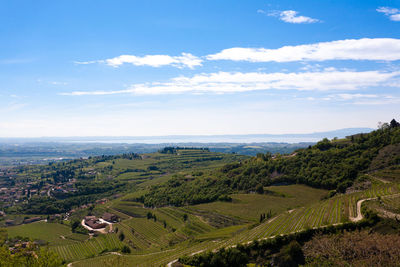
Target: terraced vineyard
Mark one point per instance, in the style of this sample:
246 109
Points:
391 204
150 239
186 229
391 174
94 246
328 212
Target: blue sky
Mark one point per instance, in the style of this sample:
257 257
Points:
134 68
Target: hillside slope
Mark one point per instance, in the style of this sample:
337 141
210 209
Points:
333 165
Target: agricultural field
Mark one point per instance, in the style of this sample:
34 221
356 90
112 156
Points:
53 233
313 214
391 174
249 206
387 205
154 243
182 231
89 248
158 164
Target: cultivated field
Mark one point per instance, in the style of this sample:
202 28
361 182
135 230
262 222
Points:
53 233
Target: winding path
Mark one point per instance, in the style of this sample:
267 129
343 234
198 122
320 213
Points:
359 204
359 213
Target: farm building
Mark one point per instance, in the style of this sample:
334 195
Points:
109 217
94 222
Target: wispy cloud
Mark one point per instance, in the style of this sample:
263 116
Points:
360 99
228 82
352 96
387 49
51 82
290 16
58 83
185 60
392 13
381 101
88 62
13 106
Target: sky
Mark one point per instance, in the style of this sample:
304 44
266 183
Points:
196 67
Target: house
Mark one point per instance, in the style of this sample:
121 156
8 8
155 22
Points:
109 217
94 222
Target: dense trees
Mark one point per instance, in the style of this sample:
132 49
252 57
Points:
394 123
224 257
29 257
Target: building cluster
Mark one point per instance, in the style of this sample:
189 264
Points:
20 192
63 188
15 190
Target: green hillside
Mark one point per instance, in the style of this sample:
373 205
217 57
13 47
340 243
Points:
195 205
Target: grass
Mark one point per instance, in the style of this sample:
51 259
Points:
226 232
49 232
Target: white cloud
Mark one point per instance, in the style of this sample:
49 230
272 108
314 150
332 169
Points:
395 17
392 13
184 60
228 82
388 10
291 16
351 49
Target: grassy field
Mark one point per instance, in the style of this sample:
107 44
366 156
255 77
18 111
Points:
54 233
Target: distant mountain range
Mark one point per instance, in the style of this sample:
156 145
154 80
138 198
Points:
174 139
